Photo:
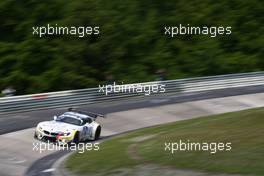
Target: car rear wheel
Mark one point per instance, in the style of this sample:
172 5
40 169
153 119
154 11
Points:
97 133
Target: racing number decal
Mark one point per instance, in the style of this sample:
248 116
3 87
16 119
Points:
86 130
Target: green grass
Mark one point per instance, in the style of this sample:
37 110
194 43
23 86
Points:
244 129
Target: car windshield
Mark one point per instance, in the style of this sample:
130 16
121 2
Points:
70 120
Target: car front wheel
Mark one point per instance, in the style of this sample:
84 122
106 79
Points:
76 138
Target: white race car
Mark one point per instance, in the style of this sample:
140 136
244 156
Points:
72 126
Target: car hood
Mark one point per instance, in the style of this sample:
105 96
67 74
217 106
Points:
55 126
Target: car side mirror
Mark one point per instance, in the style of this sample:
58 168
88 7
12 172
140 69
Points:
55 117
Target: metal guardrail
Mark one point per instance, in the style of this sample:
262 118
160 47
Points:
93 95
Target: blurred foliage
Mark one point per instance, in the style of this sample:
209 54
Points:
131 45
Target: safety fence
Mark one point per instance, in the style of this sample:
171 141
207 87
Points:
127 91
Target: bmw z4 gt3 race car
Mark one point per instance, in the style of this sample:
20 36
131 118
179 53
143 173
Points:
72 126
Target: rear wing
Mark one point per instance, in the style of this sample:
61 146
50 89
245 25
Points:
90 114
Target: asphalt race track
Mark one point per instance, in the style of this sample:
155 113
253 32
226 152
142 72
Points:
16 130
14 122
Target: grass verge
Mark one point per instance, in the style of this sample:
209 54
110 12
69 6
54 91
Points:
244 129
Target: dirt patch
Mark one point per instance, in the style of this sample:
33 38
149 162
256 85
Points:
142 138
132 152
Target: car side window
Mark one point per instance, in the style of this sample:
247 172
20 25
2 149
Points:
88 120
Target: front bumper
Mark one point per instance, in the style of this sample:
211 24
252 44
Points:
52 137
